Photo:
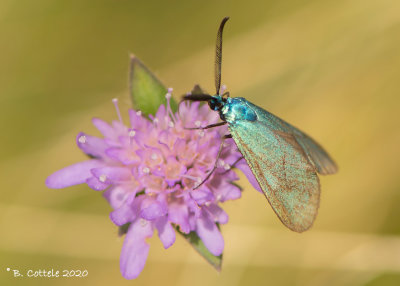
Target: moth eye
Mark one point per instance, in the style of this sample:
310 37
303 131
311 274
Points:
212 104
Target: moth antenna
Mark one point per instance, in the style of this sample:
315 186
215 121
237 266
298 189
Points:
218 55
197 97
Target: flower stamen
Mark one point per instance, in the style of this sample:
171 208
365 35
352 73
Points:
131 134
169 111
196 179
115 101
82 139
103 178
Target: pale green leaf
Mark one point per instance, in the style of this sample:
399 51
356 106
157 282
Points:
147 91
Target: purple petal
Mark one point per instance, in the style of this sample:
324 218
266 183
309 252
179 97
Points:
226 191
178 214
96 184
126 212
119 128
230 192
133 117
112 174
72 175
217 213
166 232
122 155
202 195
242 166
105 128
210 234
117 195
91 145
152 209
135 249
161 112
186 111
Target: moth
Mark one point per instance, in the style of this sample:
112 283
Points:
284 160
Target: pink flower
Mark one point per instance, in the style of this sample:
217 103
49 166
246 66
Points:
149 171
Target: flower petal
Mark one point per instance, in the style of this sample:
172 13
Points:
72 175
91 145
112 174
117 195
202 195
135 249
242 166
125 156
137 120
225 191
209 234
217 213
105 128
166 232
152 209
126 212
96 184
179 214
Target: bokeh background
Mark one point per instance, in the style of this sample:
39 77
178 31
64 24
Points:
331 68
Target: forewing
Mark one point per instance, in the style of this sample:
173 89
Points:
320 159
283 170
317 155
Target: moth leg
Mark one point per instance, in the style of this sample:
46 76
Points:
226 93
227 136
208 126
214 167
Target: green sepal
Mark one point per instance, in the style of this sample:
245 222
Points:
146 90
197 90
198 245
237 186
123 229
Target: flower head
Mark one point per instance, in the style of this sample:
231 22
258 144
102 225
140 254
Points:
150 169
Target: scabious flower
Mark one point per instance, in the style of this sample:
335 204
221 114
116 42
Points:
150 170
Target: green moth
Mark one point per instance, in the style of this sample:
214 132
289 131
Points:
284 160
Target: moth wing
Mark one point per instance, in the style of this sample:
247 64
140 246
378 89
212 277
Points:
283 170
317 155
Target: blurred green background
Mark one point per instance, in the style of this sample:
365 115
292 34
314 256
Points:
331 68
